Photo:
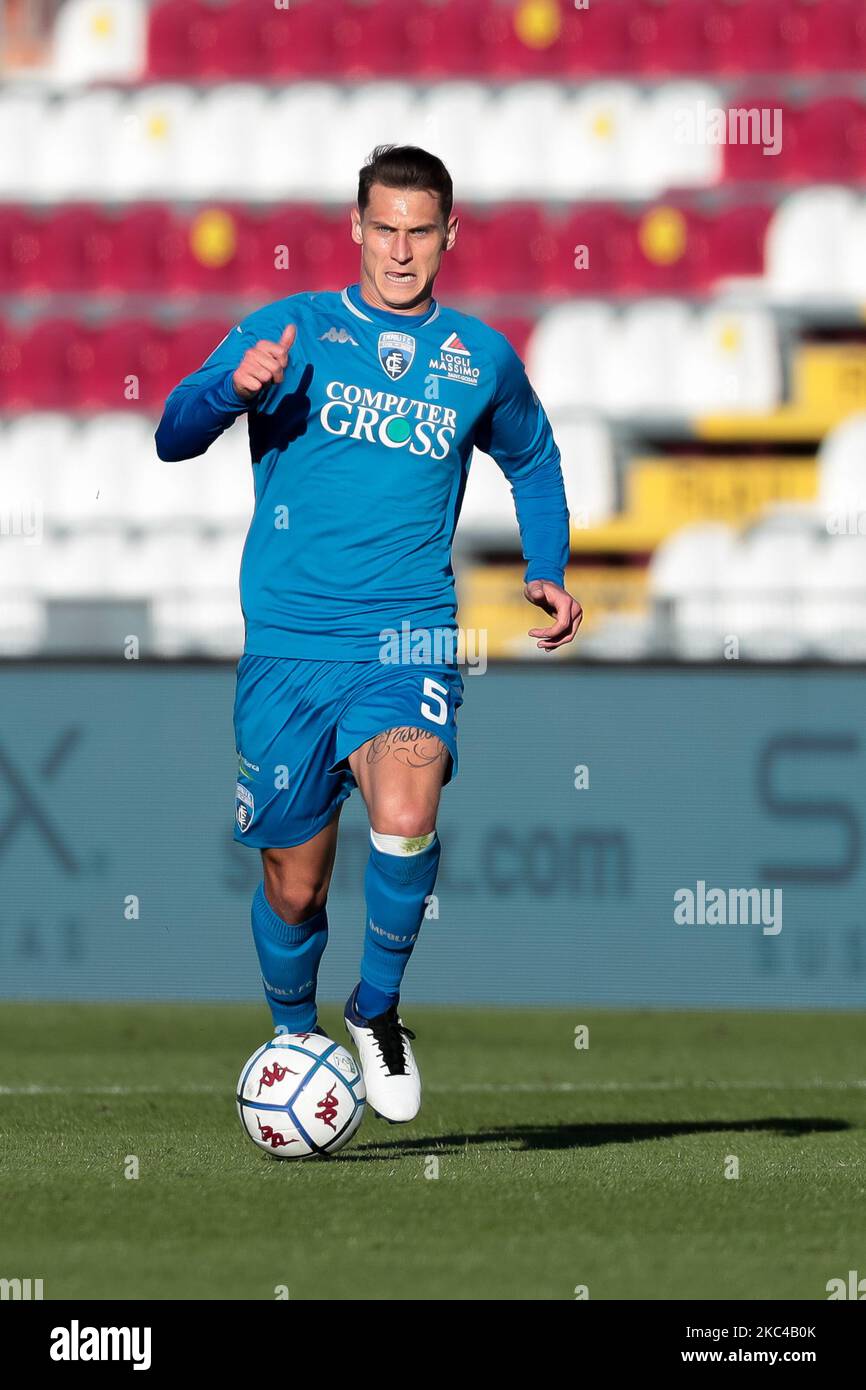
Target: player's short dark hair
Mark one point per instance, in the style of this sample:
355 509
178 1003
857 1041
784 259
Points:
406 166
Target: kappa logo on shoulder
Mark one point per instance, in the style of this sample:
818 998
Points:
455 362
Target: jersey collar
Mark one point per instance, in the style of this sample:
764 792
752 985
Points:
351 297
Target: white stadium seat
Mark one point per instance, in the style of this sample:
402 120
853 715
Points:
566 353
842 477
806 244
761 588
73 154
146 152
214 149
684 577
588 470
449 116
729 361
638 363
515 148
22 120
833 600
666 149
99 39
289 159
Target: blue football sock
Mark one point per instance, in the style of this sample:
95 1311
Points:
396 888
289 957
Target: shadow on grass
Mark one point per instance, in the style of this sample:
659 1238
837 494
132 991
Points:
524 1138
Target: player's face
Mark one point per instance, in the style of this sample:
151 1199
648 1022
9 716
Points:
403 238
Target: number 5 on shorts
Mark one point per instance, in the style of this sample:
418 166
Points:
438 692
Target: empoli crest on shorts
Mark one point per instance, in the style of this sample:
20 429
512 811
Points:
245 808
396 353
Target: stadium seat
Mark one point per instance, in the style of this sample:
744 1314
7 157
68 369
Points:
744 36
842 476
375 113
752 126
99 40
737 242
445 113
595 42
684 576
368 40
204 41
833 599
638 358
665 149
565 353
25 259
831 144
214 152
821 36
519 40
146 148
591 147
730 361
667 38
760 589
588 470
514 146
291 155
74 139
444 39
806 242
293 42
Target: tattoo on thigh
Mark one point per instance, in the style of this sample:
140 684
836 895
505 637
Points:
411 747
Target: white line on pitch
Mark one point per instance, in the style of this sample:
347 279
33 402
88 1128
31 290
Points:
468 1088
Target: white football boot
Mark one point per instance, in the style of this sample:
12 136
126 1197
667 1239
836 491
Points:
387 1062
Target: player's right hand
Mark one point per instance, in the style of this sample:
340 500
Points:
264 363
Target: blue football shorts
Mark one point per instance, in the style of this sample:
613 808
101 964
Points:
297 720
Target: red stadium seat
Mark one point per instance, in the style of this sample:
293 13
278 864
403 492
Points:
444 38
667 36
821 36
296 42
832 141
22 251
516 329
745 161
369 38
129 355
289 227
168 41
137 248
598 236
671 252
187 347
332 258
214 248
190 38
737 241
520 39
11 357
594 42
745 35
54 362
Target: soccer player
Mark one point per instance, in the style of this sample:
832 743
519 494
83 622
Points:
363 409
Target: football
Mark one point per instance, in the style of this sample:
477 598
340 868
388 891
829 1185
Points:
301 1095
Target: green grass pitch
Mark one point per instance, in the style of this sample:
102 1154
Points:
557 1167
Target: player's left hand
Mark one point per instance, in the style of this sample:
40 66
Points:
565 610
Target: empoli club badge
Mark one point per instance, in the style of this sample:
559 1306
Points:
396 353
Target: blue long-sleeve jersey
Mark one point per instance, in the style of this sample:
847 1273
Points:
360 459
